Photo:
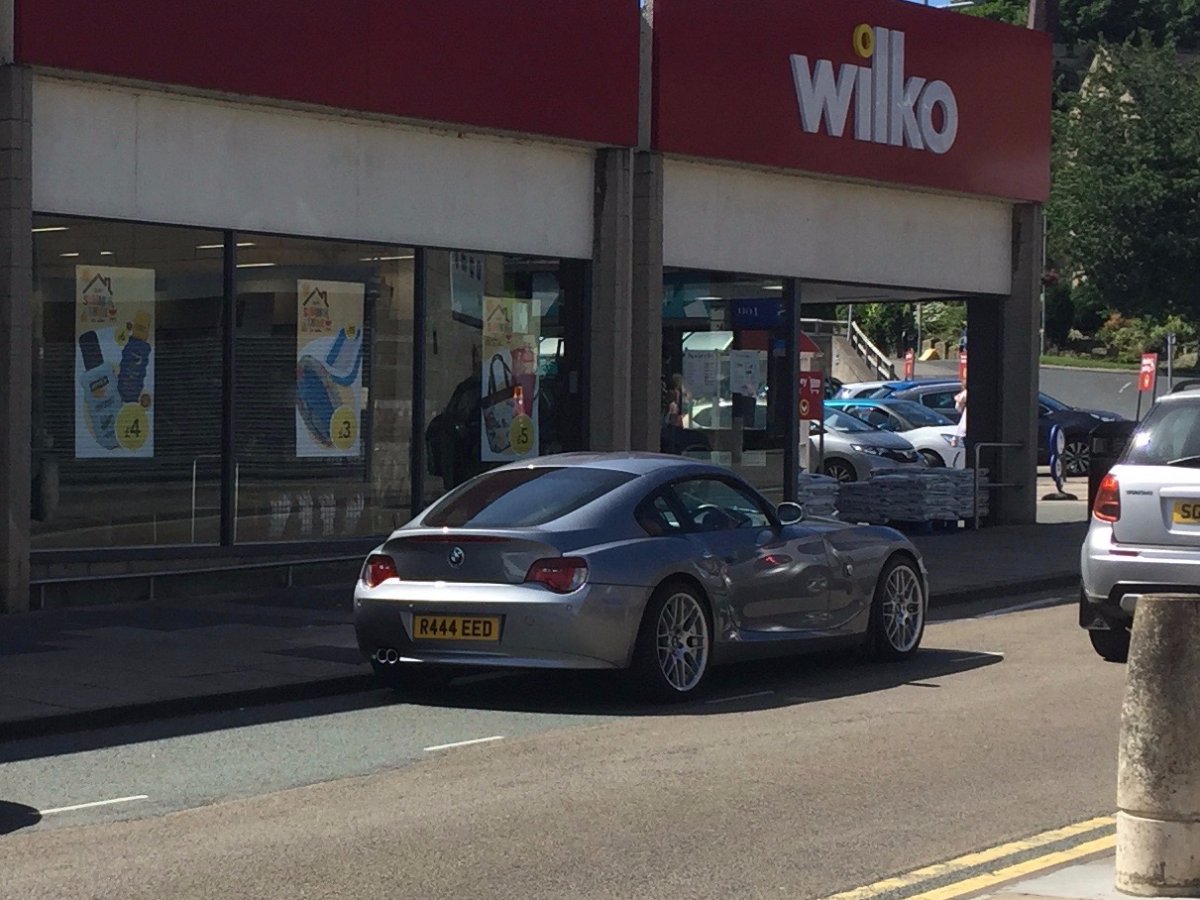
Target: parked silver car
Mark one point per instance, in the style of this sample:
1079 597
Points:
658 565
855 450
1145 529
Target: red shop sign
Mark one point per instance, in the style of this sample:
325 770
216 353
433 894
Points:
566 69
812 396
871 89
1148 374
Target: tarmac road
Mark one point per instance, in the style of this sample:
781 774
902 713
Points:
797 778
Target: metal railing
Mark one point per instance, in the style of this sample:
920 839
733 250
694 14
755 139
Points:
153 575
874 357
237 472
991 484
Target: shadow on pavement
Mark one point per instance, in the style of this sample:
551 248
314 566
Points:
738 688
742 687
15 816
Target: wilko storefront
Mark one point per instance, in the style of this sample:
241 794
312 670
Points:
284 273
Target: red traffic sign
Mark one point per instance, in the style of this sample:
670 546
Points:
812 396
1148 373
910 365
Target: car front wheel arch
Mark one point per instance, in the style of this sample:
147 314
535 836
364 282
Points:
647 675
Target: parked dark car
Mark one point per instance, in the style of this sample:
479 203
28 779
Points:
1077 424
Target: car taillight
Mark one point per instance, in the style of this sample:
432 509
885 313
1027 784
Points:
561 574
378 569
1108 500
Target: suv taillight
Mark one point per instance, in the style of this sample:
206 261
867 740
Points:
1108 500
561 574
378 569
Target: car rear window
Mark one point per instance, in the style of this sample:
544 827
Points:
517 498
1169 434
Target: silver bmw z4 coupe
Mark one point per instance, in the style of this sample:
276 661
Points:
658 565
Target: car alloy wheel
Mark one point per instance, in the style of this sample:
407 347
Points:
1076 457
898 610
842 471
682 641
672 653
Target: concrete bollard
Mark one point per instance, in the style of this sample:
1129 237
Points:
1158 766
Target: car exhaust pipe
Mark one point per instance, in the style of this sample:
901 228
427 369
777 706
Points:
387 655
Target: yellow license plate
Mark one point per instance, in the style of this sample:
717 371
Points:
1186 512
456 628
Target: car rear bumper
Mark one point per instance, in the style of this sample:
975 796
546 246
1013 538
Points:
591 628
1115 575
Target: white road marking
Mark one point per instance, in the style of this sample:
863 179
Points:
740 697
495 737
1032 604
982 654
62 809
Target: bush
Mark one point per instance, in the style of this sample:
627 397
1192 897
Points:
1131 337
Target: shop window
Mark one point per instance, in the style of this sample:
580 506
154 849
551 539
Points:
503 362
724 357
323 388
126 384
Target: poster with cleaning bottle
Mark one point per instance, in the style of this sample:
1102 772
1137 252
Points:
329 355
509 382
114 362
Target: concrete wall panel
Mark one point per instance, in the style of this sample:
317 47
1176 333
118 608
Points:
735 220
133 154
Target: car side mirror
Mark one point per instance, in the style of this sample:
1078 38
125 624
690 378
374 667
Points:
790 513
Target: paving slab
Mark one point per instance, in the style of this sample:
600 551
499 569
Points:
1091 880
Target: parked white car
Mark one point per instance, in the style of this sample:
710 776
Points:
1145 531
931 433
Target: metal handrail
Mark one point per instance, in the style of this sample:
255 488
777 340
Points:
875 357
975 478
236 488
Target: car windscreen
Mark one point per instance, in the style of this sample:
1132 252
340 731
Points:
520 498
919 416
1169 435
1054 405
836 420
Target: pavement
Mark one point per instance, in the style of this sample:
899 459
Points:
91 666
88 666
1091 880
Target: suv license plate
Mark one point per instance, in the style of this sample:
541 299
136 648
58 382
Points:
1186 512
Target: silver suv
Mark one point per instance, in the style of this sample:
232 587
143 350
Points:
1145 530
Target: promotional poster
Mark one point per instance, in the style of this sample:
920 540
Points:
509 383
329 352
114 362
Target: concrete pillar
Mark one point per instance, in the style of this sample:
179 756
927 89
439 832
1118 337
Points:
1158 766
1003 375
610 317
16 332
646 373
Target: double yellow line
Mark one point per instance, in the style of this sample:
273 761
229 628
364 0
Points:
974 881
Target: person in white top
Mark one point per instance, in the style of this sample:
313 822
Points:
960 430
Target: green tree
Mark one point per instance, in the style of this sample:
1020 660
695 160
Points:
1125 203
1116 21
1014 12
892 327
